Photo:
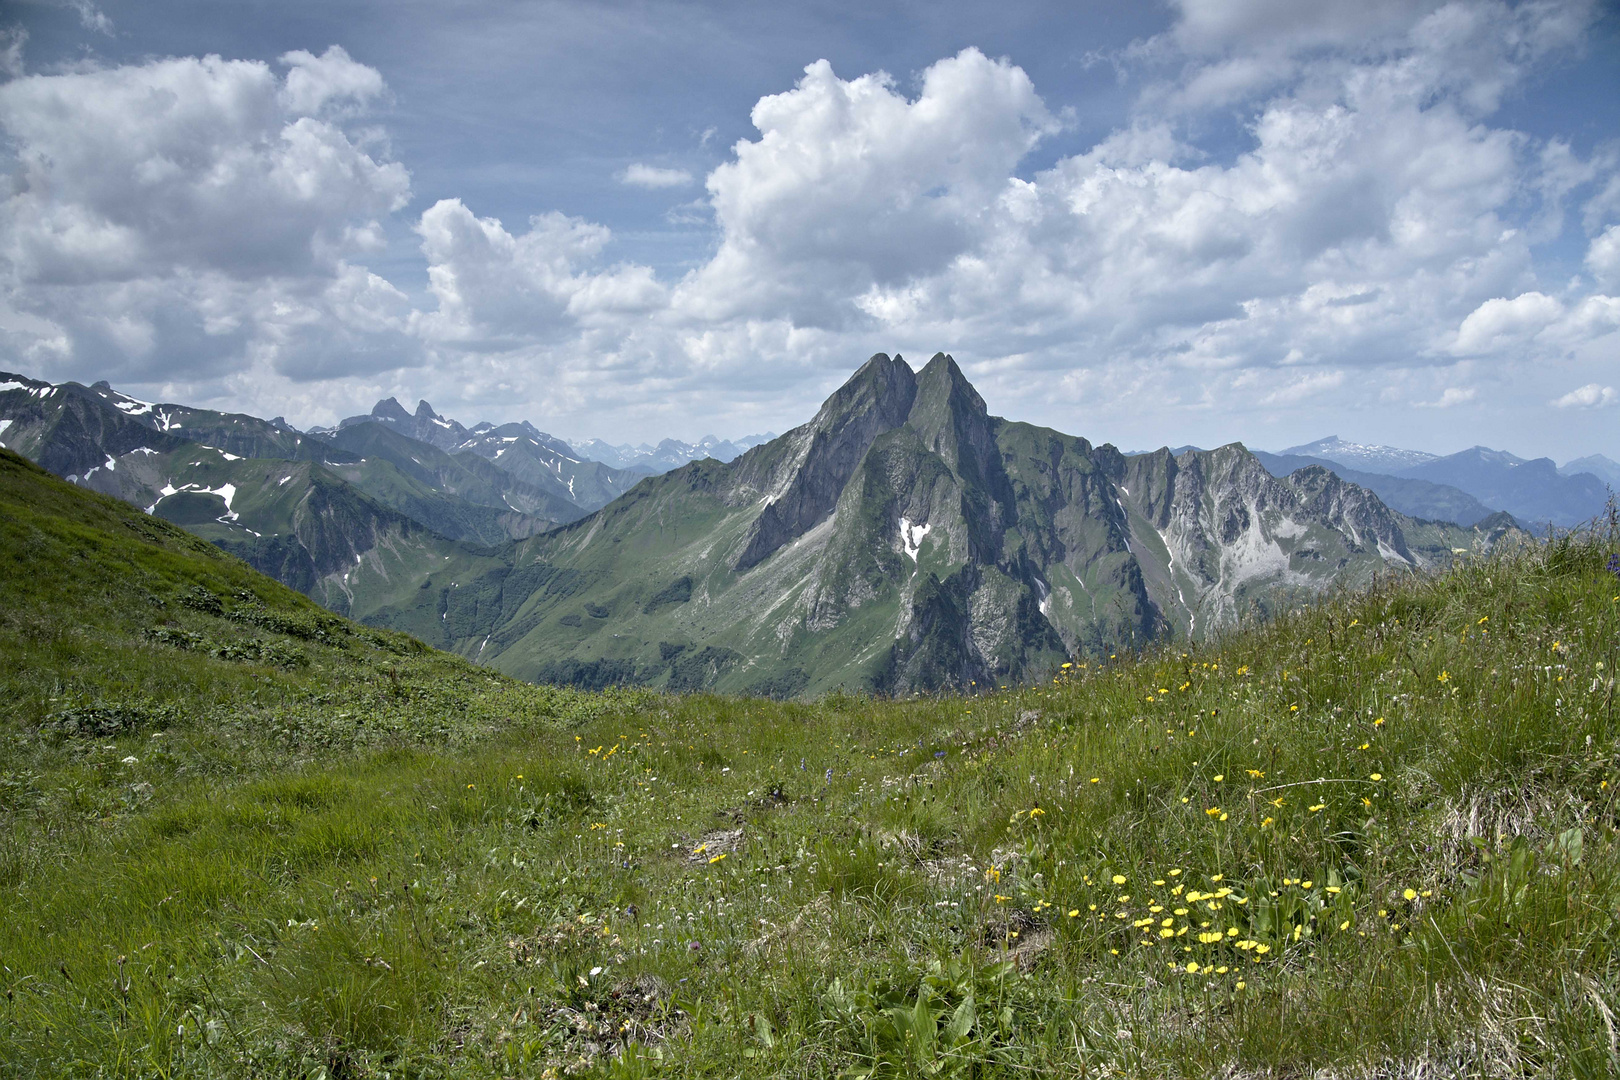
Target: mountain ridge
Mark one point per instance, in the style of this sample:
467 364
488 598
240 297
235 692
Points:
901 540
904 539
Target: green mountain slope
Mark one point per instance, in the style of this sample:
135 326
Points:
347 529
903 540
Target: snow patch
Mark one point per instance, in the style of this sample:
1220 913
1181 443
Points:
283 480
1170 568
1127 515
3 425
137 450
133 407
912 536
1389 554
4 386
217 450
112 466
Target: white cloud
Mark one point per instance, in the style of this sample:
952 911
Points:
1500 324
851 185
1603 257
1590 396
1301 389
315 82
497 290
652 177
90 16
1450 397
164 213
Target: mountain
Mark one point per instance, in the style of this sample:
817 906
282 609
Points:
1605 469
1532 491
906 540
548 463
539 460
424 425
461 496
342 540
670 453
71 429
1415 498
1369 457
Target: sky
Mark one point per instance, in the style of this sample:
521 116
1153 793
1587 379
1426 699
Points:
1197 221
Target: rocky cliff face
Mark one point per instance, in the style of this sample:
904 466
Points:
802 490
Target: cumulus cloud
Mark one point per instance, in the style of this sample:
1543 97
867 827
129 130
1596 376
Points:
494 288
852 185
1499 323
653 177
314 83
168 214
1590 396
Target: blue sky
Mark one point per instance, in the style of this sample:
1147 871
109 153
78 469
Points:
1197 222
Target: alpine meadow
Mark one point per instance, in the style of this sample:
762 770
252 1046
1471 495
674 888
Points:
1373 835
696 540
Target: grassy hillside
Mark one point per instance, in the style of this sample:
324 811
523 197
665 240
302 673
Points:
241 836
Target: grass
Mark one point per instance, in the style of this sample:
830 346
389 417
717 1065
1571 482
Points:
1375 836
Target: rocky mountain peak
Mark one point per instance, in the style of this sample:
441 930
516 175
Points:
424 411
823 454
390 409
882 387
942 379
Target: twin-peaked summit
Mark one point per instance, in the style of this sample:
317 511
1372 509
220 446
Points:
905 539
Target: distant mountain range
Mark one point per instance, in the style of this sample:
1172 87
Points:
1416 498
668 454
542 460
902 540
1599 466
1537 492
1368 457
